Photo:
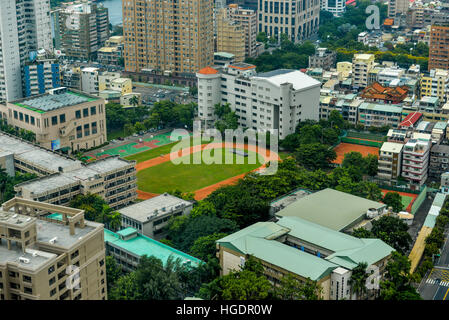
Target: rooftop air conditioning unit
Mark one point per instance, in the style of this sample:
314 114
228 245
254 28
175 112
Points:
24 260
53 240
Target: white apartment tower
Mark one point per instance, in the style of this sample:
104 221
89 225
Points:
24 27
278 99
336 7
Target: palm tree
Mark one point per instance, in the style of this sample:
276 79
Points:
134 101
358 279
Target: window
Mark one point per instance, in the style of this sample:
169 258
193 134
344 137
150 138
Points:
15 115
51 281
101 263
78 114
52 292
93 110
20 116
51 269
85 112
28 290
86 130
62 118
75 254
54 120
32 120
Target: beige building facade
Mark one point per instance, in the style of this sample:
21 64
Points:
248 19
43 258
362 64
170 38
230 36
62 119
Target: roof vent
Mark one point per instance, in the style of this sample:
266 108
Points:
53 240
24 260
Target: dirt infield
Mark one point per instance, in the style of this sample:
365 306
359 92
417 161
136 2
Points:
204 192
344 148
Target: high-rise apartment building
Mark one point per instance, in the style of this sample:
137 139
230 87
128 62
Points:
415 161
298 19
168 38
230 36
248 19
435 84
24 27
40 74
82 30
397 7
42 258
361 66
336 7
439 47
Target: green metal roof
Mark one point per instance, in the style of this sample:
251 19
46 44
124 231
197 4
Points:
381 107
260 241
141 245
439 199
126 232
330 208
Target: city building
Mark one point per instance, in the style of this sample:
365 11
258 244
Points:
89 80
323 58
248 19
112 52
346 104
439 161
361 66
390 157
151 216
336 7
287 199
438 47
305 250
223 58
40 255
397 7
320 208
377 92
83 28
345 69
435 84
415 161
298 20
112 178
230 36
70 77
178 45
127 246
24 28
278 99
411 121
378 115
40 73
62 119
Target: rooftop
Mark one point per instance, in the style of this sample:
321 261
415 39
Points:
141 245
154 207
298 79
381 107
411 119
48 102
242 66
48 160
330 208
262 240
208 70
391 147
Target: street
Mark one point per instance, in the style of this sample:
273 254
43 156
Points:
436 285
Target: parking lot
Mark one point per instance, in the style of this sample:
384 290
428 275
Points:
152 93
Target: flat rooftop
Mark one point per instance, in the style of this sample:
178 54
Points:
47 230
48 159
108 164
391 147
289 198
49 102
330 208
154 207
298 79
141 245
13 256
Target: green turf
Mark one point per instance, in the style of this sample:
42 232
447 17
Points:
152 153
405 200
189 177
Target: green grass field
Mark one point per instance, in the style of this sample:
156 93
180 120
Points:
190 177
152 153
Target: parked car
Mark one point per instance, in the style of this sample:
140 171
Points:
120 138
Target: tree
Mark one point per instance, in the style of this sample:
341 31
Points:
371 165
113 272
3 183
362 233
139 126
128 129
315 156
205 246
290 288
134 101
358 279
392 231
397 283
291 142
96 209
125 288
394 200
